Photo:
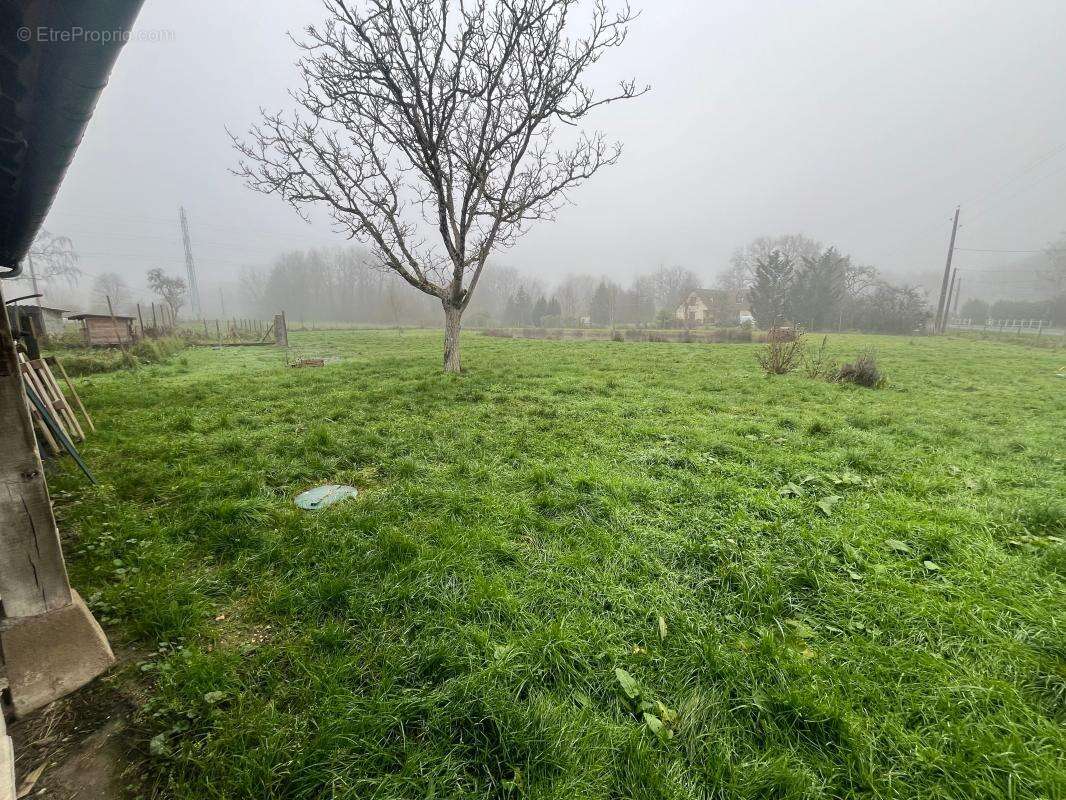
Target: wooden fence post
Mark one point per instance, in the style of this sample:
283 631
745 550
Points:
281 333
114 323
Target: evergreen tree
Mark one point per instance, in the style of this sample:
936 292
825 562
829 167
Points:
600 307
771 289
540 311
819 290
519 308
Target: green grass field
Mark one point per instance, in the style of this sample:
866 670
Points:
584 570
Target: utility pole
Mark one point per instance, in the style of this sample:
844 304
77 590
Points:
190 265
941 307
958 291
951 294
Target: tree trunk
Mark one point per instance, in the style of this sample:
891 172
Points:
452 319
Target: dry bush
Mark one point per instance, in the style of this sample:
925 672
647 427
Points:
783 352
818 365
863 371
617 336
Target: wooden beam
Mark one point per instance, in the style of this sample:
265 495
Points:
33 577
70 385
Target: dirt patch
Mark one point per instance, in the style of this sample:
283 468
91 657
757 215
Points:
77 748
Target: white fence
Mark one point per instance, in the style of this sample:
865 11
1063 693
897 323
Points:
1033 326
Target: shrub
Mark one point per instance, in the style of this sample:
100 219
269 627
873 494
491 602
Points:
818 365
863 371
90 361
783 351
742 333
617 336
731 334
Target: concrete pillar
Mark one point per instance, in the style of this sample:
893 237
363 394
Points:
50 655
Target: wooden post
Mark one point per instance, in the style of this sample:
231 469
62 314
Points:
114 322
281 333
140 319
155 323
44 624
70 385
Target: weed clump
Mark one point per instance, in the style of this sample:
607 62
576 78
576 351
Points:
818 365
863 371
783 352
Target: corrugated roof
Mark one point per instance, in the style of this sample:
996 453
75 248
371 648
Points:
98 316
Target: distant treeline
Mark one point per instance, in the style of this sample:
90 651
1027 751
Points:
344 285
784 280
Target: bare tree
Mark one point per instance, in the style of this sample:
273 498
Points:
672 285
52 258
109 285
575 295
742 266
439 116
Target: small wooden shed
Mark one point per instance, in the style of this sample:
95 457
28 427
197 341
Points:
38 320
103 330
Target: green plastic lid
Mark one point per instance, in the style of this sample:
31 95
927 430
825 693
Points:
326 495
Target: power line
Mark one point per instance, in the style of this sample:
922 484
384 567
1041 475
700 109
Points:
1021 173
1021 190
979 250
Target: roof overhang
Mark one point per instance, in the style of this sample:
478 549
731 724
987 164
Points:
50 79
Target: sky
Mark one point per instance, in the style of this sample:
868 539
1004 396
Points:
860 124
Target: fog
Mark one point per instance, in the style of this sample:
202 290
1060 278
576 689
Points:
859 124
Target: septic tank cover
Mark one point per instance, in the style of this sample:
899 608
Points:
326 495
